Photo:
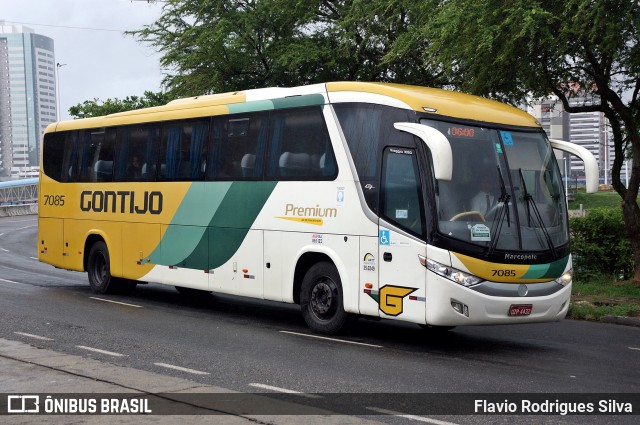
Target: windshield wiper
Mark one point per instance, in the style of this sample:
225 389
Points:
504 211
531 204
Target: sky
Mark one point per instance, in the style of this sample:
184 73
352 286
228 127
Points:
98 64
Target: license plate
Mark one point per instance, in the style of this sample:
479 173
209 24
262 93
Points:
520 309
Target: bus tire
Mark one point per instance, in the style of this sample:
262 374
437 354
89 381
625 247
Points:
321 299
99 269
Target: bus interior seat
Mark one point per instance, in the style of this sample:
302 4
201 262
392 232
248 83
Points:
327 168
148 170
247 164
103 170
294 164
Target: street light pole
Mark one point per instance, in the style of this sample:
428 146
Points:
606 153
566 180
58 66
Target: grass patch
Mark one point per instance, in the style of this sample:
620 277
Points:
595 200
601 296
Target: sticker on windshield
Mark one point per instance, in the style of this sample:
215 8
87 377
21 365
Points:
480 233
402 214
498 148
506 138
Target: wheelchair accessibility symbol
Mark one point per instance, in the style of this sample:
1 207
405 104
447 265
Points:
385 237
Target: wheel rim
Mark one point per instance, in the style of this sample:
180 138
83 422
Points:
100 268
324 297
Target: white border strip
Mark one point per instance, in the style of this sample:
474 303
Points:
44 338
411 417
97 350
10 281
283 390
278 389
181 369
332 339
116 302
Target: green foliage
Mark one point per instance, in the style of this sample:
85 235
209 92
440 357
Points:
595 200
588 311
224 45
600 296
588 49
96 107
600 245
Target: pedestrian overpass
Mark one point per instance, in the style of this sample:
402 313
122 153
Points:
19 197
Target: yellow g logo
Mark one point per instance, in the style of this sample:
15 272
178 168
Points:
391 299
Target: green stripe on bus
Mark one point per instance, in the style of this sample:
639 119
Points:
255 106
189 223
229 209
234 218
298 101
544 271
266 105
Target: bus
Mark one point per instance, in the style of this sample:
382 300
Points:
347 198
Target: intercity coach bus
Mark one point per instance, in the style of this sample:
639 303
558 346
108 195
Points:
371 199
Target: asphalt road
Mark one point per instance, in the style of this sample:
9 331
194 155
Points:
255 346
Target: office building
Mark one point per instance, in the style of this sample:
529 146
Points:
27 98
588 129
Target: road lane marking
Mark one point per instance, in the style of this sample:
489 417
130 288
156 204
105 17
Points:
181 369
278 389
5 250
19 221
116 302
44 338
634 348
25 227
283 390
97 350
10 281
1 234
332 339
34 258
411 417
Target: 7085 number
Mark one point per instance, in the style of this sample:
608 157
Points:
55 200
505 273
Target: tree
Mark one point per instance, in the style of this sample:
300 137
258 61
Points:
215 46
511 50
96 107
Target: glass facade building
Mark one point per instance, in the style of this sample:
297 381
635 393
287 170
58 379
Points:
28 98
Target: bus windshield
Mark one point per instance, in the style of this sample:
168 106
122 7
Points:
506 190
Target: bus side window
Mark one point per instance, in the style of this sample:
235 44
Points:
135 158
71 154
194 146
100 167
54 154
300 147
237 148
400 197
86 150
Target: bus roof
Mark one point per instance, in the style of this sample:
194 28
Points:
423 99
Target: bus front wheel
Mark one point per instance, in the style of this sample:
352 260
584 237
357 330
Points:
321 299
99 269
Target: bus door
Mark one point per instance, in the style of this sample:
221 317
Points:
401 277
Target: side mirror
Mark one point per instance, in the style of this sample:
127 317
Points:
437 143
591 171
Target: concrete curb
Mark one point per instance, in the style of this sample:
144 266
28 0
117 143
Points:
620 320
27 369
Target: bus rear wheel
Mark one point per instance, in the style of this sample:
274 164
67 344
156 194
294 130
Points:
99 271
321 299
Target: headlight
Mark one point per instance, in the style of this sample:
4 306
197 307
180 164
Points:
566 278
455 275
